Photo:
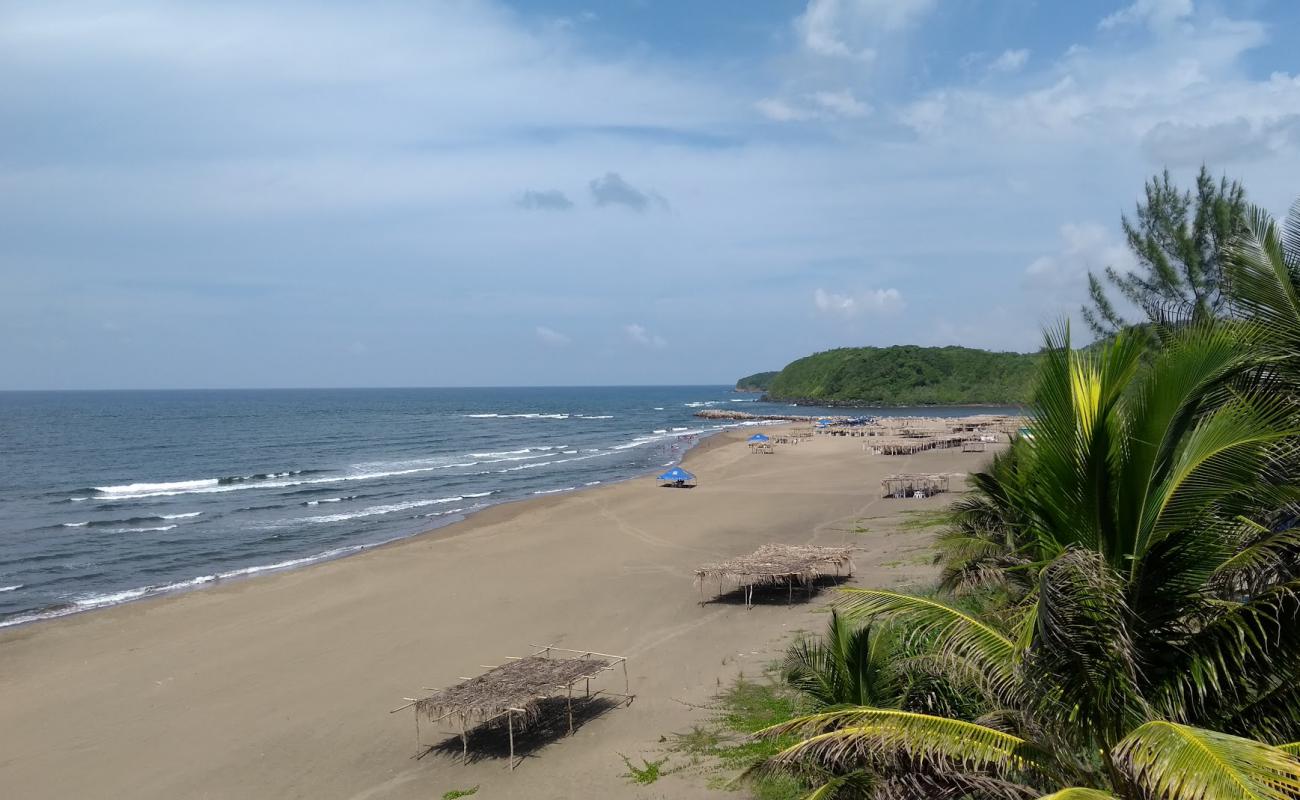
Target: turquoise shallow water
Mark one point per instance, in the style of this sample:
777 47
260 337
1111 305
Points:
106 497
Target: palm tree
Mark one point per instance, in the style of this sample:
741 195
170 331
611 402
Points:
850 665
1156 652
1263 289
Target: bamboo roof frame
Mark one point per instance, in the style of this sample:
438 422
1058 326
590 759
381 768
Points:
514 691
777 564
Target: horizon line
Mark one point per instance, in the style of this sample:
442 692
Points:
378 388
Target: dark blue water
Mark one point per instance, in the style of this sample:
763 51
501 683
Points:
110 496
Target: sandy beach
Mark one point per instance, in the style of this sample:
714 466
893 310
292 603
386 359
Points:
281 686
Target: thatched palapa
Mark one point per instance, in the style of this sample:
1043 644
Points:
777 564
515 691
517 686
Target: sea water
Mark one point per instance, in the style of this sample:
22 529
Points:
107 497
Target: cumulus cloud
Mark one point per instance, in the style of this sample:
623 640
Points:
545 200
637 334
841 103
612 190
1155 14
781 111
552 337
1085 247
849 28
1009 61
821 105
875 301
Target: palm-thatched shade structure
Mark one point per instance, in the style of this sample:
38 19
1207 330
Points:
515 691
777 564
904 485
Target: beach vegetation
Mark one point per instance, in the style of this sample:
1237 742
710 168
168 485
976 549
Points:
1178 240
758 382
454 794
906 375
647 773
1119 608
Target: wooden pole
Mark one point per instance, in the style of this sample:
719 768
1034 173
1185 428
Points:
464 741
510 723
627 684
570 709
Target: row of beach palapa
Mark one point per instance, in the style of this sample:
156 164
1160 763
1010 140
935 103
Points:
517 693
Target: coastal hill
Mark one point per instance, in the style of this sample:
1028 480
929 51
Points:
901 375
758 382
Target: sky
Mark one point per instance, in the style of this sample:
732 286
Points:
294 194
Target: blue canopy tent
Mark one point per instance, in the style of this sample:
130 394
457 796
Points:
758 438
677 476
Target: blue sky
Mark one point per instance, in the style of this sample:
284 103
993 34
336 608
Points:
246 194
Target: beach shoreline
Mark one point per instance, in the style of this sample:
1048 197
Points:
279 685
209 582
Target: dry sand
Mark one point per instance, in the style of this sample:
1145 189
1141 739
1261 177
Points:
280 686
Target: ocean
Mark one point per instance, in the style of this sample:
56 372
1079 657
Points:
107 497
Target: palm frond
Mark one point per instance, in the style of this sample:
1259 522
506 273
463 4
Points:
1179 762
949 629
1079 793
1082 657
846 739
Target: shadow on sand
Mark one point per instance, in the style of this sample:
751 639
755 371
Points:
777 594
552 724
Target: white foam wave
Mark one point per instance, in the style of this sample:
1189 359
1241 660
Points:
529 415
143 530
93 601
76 524
175 487
596 416
372 511
284 484
13 588
555 491
591 483
190 515
658 408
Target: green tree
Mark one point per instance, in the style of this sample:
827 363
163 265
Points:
850 665
1178 240
1264 290
1156 653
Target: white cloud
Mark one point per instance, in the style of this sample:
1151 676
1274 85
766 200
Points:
1155 14
781 111
552 337
849 28
841 103
1085 247
821 105
875 301
1010 61
639 335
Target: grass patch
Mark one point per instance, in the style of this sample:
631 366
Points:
725 746
924 519
456 793
647 773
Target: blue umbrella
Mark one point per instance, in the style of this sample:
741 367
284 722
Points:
758 437
677 474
